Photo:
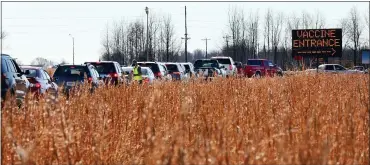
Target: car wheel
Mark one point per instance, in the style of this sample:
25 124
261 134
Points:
257 75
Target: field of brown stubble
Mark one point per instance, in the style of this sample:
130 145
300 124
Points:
301 119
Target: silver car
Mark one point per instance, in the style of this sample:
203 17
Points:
335 68
147 73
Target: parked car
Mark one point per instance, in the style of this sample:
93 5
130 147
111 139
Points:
360 69
168 76
13 80
40 81
239 68
109 71
228 62
187 76
71 77
189 68
336 68
147 73
261 67
209 68
176 70
158 69
279 71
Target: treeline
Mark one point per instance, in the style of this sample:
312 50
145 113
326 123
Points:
251 34
124 41
269 36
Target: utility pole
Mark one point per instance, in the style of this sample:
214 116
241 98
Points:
73 42
147 33
186 39
227 44
206 39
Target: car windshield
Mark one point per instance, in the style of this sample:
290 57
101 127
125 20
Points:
205 63
71 71
104 68
144 71
359 68
187 67
338 67
224 61
254 62
33 73
152 66
270 63
172 67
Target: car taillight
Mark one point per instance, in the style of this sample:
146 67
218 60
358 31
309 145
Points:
37 85
158 74
89 79
114 75
146 80
230 67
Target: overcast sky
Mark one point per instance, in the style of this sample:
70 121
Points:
40 29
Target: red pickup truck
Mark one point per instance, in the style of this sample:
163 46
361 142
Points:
261 67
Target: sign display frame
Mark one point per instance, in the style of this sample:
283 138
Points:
318 43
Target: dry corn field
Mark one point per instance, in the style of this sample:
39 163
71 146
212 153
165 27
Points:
291 120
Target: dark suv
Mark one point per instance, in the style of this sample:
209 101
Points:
209 68
13 79
109 70
72 76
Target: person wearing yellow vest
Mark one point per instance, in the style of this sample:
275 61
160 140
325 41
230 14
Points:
137 72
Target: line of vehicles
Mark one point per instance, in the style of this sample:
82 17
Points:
337 68
19 80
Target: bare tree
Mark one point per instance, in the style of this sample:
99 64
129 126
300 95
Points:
3 35
198 54
154 25
168 34
268 24
18 61
235 21
42 62
367 23
117 43
63 61
353 32
293 22
307 21
253 33
277 24
106 45
319 20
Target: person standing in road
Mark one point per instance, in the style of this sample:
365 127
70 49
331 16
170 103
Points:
137 72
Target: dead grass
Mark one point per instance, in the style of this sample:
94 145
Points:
292 120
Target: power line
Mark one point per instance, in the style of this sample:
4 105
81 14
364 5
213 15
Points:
206 39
